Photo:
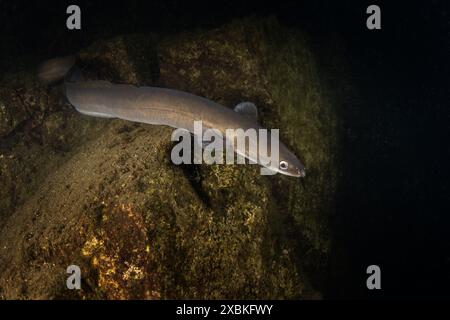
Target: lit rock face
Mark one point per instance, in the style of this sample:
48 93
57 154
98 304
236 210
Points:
103 194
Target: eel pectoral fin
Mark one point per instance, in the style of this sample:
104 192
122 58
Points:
247 109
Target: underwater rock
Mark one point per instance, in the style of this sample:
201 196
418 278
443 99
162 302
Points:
103 194
21 98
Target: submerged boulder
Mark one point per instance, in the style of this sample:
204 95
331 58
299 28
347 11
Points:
103 194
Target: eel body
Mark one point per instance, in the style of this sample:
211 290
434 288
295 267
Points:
162 106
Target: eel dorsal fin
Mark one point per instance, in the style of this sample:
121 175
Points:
247 109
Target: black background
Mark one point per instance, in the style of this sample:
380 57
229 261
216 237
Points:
393 203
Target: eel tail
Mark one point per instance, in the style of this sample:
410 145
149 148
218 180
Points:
56 69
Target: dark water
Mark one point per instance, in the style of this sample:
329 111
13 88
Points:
393 206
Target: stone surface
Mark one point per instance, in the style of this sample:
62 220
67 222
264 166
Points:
104 195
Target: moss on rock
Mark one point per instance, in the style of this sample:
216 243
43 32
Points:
105 196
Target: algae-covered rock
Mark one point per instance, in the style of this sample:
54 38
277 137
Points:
21 99
103 194
273 67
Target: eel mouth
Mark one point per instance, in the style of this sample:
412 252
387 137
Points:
301 173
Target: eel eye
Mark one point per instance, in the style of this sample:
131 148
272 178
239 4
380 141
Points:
283 165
